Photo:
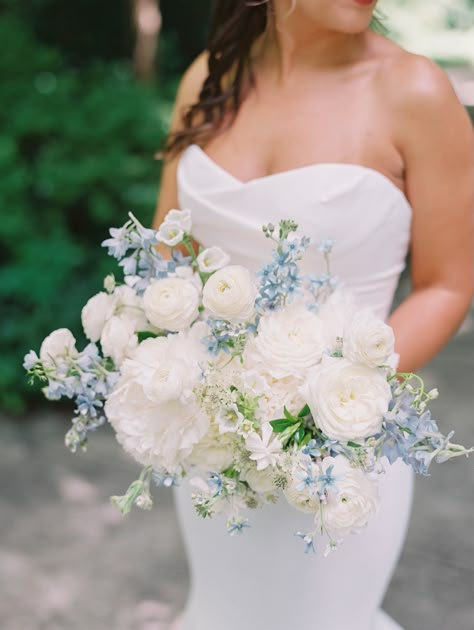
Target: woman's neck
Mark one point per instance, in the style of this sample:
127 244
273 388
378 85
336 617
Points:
291 43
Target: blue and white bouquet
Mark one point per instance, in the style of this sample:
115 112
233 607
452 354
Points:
259 387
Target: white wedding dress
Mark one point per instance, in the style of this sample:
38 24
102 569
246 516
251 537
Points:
262 580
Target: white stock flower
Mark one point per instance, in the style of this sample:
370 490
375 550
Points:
368 340
353 503
153 408
180 218
95 313
289 342
171 303
230 294
58 344
170 234
347 400
118 340
265 449
212 259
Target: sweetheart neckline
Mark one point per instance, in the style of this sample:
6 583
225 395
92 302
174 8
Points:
257 180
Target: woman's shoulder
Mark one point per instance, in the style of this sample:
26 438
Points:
411 82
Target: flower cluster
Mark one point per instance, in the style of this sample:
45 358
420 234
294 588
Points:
264 388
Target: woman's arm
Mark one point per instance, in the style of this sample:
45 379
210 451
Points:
437 143
188 93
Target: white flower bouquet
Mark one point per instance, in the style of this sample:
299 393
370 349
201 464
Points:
259 387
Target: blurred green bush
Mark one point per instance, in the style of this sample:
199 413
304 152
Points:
76 154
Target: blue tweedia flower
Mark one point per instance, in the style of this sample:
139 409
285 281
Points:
327 480
311 449
226 336
308 539
236 525
325 246
307 479
162 477
216 484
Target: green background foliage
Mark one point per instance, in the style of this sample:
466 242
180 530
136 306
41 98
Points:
79 136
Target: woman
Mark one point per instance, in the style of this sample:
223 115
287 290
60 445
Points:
298 109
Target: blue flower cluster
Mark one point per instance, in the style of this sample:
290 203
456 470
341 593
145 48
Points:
228 337
413 437
281 279
134 247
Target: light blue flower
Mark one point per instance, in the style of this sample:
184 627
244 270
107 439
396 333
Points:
236 525
311 449
119 242
308 539
30 361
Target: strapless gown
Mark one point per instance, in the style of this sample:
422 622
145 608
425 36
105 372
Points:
262 580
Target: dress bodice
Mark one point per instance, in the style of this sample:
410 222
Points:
361 209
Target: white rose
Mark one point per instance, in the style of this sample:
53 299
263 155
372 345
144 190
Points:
171 303
353 503
336 315
181 218
153 427
368 340
212 259
230 294
118 339
289 342
170 234
95 313
347 400
215 451
59 343
258 480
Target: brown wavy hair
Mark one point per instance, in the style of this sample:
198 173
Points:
235 26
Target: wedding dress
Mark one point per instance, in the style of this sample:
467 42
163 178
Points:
262 580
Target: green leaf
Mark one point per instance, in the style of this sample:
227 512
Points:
281 425
146 335
354 444
304 412
289 416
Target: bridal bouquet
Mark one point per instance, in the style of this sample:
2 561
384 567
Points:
259 387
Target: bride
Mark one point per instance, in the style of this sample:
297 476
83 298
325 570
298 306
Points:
299 110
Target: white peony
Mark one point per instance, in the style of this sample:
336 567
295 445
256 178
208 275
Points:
353 503
266 449
215 451
170 234
95 313
181 219
289 342
58 344
347 400
230 294
212 259
368 340
171 303
118 340
153 408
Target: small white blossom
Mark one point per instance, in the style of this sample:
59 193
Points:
264 449
180 218
212 259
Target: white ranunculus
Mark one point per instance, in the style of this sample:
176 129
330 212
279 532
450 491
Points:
59 343
170 234
353 503
181 218
118 340
258 480
171 303
336 315
152 408
230 294
95 313
130 305
215 451
347 400
368 340
212 259
289 342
